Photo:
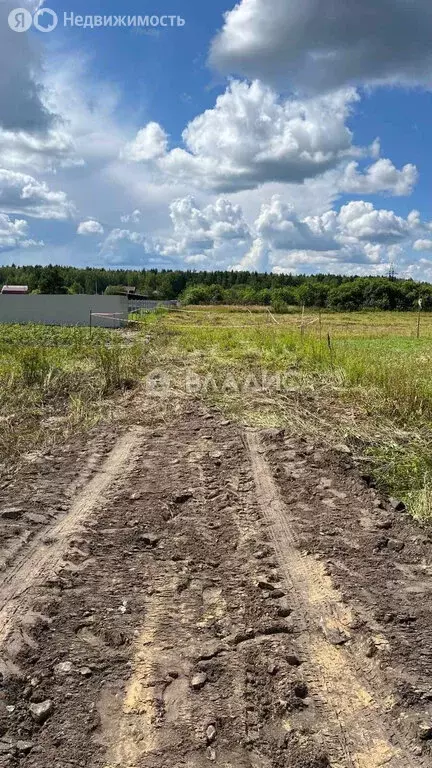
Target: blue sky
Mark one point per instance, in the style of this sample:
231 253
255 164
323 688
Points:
261 135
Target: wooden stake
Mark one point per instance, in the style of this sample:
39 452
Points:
420 305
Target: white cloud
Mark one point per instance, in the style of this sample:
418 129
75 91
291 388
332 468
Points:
14 234
90 227
20 193
150 143
252 136
357 234
362 221
423 245
118 237
279 225
42 151
321 48
382 176
217 230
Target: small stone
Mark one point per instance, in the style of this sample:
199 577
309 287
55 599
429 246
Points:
325 482
211 754
65 668
266 585
211 734
150 539
41 712
85 672
276 594
135 496
10 709
371 649
123 607
397 505
198 681
24 747
425 731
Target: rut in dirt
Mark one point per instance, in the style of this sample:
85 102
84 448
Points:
194 628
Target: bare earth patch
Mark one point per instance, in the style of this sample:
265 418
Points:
205 594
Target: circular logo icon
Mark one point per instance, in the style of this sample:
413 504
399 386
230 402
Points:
45 20
20 20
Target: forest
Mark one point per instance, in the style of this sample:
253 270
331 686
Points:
324 291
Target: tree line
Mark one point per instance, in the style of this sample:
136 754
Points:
335 292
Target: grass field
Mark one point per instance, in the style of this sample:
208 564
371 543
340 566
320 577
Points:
361 379
56 380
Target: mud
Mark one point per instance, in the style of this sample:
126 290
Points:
213 595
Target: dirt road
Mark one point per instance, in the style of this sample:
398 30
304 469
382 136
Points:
206 594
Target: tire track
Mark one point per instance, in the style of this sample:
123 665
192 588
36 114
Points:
353 719
41 561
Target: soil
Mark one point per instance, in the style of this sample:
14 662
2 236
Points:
174 595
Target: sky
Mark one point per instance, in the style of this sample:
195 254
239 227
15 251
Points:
286 136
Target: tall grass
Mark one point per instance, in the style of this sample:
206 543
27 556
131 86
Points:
55 380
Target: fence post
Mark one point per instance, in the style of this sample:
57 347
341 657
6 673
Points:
420 305
90 324
302 321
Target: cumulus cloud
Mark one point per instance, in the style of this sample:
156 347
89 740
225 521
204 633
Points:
20 193
14 234
150 143
251 137
279 225
357 234
382 176
90 227
323 48
362 221
217 229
